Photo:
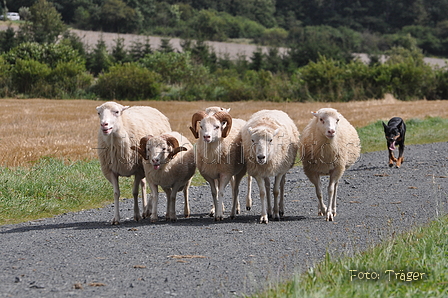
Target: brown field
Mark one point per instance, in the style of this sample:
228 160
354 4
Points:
33 128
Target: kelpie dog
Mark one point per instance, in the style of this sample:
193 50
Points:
395 131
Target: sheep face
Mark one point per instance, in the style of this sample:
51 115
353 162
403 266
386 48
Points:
109 114
327 122
262 143
158 150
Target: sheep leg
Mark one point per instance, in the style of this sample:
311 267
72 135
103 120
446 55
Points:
137 181
267 184
249 193
235 190
282 196
219 211
154 202
315 179
276 214
186 202
262 187
113 178
214 188
236 205
171 204
332 193
146 210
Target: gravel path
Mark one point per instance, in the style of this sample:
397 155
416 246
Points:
82 255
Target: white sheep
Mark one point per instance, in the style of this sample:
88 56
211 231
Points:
270 142
120 128
219 155
329 145
168 167
211 111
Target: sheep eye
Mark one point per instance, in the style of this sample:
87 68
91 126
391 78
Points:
270 140
337 120
216 126
163 149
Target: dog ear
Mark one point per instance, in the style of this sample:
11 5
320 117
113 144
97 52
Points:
384 125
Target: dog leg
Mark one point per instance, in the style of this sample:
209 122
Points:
392 158
400 156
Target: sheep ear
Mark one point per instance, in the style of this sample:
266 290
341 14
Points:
125 108
250 130
314 114
276 132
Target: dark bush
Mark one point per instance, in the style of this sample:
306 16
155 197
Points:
128 81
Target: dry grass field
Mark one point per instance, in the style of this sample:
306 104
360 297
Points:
33 128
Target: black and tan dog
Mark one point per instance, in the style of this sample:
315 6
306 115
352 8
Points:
395 131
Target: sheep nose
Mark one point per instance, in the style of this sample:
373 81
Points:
104 124
206 137
155 160
331 131
261 157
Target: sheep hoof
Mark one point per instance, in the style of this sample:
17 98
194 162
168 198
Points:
248 208
154 219
264 219
219 218
330 216
115 222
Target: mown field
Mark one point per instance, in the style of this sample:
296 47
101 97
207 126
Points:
35 128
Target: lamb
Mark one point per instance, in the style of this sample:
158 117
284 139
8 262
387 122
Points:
218 155
120 128
329 146
270 141
166 165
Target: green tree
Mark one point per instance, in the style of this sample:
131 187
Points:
7 39
99 59
119 53
116 16
44 25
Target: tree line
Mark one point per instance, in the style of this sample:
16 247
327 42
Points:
369 26
35 63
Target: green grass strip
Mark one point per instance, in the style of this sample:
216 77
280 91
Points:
413 264
51 187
